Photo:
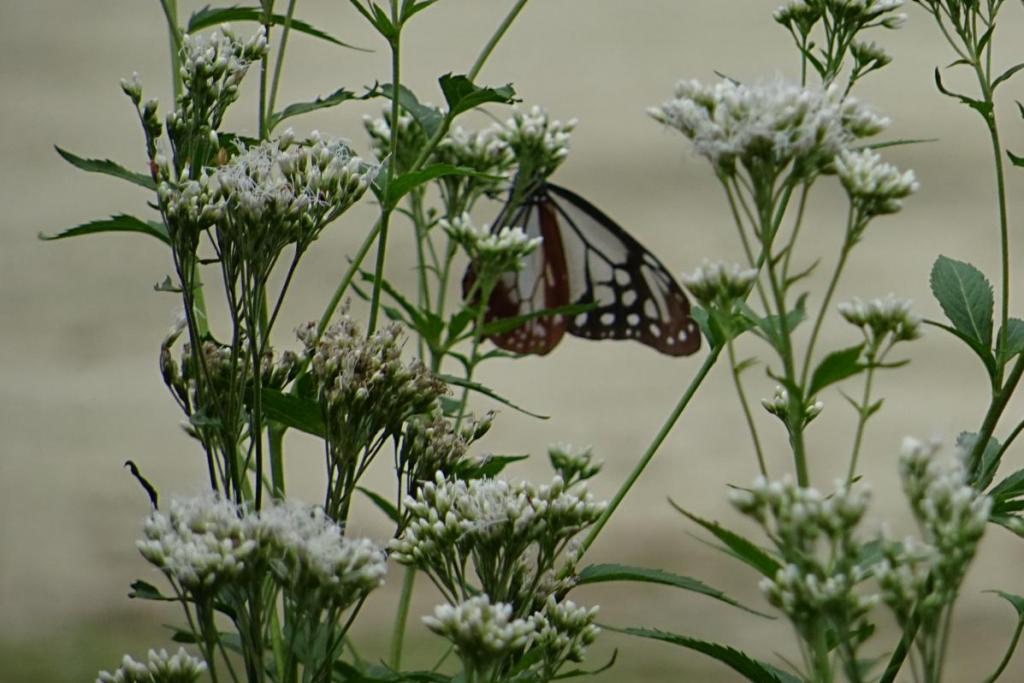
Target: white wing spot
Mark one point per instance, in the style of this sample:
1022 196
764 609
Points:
633 319
607 318
650 309
621 276
655 330
581 319
670 341
628 297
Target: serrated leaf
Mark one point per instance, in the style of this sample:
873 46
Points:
147 591
294 411
118 223
746 551
212 16
985 354
107 167
836 367
334 99
429 118
406 182
601 573
382 504
1014 340
965 295
740 662
490 393
462 95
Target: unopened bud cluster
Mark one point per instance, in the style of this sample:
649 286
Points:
573 464
883 321
538 143
719 284
480 630
412 139
363 383
160 667
816 536
951 514
801 15
768 126
491 253
483 152
430 445
875 188
779 405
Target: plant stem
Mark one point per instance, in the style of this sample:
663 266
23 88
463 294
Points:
645 459
401 618
346 280
170 8
995 411
493 42
279 62
746 407
862 421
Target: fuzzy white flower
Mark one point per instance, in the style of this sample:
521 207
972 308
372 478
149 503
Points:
491 252
774 123
537 142
201 542
719 282
879 318
479 629
873 185
160 668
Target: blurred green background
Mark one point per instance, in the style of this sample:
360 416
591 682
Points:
81 324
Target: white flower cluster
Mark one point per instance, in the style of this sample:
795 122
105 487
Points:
573 464
926 575
778 405
538 143
491 253
565 630
363 381
717 283
774 123
207 540
411 137
875 187
881 320
481 630
816 535
484 151
277 193
454 517
200 543
160 668
212 68
861 13
317 560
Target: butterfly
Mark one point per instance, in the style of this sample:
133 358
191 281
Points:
585 258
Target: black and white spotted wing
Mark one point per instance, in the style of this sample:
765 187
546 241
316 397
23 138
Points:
585 257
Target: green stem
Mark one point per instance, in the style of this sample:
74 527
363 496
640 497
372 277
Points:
401 618
648 455
275 439
899 655
823 309
746 407
1009 653
862 421
170 8
995 411
493 42
346 280
279 61
821 662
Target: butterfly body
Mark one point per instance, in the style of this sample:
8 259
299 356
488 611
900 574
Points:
586 258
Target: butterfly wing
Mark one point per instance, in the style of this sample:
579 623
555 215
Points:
541 284
635 295
586 258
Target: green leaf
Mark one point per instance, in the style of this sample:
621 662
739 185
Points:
708 327
1017 602
1009 488
293 411
836 367
600 573
738 546
985 354
427 323
748 667
407 182
334 99
966 298
486 391
147 591
981 473
429 118
1014 343
212 16
118 223
1006 75
488 467
769 326
107 167
382 504
983 108
462 95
